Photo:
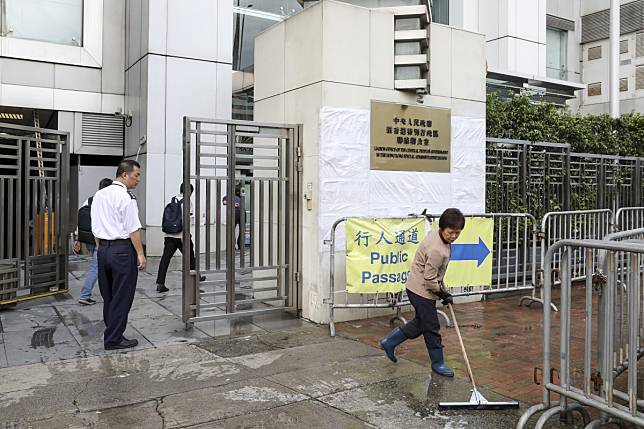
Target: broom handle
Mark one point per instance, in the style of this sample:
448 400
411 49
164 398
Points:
460 339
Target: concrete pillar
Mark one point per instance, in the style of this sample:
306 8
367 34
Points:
178 63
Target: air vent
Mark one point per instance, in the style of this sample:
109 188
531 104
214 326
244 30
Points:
596 25
639 77
102 130
560 23
594 53
594 89
623 84
625 63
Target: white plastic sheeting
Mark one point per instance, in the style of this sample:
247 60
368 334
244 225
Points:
348 188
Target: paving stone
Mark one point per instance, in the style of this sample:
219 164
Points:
166 329
41 344
352 373
306 414
297 358
235 399
142 416
401 403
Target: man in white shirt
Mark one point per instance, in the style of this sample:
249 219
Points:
115 225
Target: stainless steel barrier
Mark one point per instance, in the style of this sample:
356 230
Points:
573 225
593 385
514 255
629 218
362 301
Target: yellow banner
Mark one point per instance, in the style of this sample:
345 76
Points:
471 259
380 253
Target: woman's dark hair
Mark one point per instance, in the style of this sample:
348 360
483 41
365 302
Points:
452 218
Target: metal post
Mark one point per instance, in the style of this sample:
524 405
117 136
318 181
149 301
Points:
230 222
614 57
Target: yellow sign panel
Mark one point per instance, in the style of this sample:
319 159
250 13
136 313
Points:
410 138
380 253
471 258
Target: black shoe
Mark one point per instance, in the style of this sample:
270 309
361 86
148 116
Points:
86 301
124 344
202 278
162 288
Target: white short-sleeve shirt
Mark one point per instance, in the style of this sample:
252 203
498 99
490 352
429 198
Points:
115 214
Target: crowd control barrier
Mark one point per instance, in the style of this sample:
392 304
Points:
573 225
591 380
502 248
629 218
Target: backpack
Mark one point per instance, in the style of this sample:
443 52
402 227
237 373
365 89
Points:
172 222
85 223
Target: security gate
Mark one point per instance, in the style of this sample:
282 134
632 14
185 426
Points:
34 172
246 187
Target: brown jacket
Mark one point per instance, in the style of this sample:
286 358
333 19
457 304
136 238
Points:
429 266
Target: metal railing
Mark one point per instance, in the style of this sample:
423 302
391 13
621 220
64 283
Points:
514 255
362 300
573 225
594 385
629 218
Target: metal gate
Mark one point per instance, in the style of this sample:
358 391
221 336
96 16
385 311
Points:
260 165
34 174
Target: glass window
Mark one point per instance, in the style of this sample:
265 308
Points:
440 11
55 21
556 53
250 18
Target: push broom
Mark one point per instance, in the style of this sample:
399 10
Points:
477 401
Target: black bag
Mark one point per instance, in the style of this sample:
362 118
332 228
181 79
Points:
172 222
85 223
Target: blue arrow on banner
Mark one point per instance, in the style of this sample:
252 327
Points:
470 252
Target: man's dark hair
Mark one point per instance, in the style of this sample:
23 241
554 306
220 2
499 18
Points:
104 183
192 188
452 218
126 166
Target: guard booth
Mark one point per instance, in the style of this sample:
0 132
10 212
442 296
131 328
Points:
34 171
256 168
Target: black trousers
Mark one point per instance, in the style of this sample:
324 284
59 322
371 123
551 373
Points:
425 322
117 275
170 246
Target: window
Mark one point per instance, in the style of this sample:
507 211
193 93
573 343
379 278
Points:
639 77
440 11
623 47
639 45
594 89
594 53
623 84
251 17
556 53
54 21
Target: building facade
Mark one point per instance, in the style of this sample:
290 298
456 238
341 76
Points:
119 75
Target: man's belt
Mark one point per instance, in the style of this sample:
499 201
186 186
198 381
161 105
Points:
118 242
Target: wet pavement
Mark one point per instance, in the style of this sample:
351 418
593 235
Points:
58 327
293 378
265 371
